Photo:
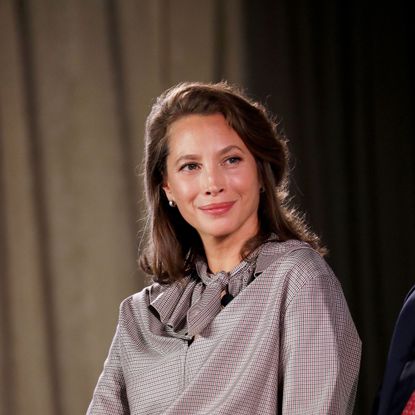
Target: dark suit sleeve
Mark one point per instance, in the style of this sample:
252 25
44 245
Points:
399 379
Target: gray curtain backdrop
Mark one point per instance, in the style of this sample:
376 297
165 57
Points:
77 79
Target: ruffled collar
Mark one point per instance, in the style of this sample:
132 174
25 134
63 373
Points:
187 306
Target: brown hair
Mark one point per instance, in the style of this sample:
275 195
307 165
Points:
172 245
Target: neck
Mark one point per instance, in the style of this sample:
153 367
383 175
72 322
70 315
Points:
223 254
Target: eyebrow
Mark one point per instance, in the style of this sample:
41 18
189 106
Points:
196 156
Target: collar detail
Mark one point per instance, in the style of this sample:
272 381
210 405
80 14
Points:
187 306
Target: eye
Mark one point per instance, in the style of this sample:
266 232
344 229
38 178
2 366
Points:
233 160
189 167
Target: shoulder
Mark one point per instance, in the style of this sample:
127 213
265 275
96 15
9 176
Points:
407 313
410 297
152 295
291 255
140 300
296 268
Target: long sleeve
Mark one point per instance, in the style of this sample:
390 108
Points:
320 351
110 393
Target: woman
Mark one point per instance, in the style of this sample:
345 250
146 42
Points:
244 315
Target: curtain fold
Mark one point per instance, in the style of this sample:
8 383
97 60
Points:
77 80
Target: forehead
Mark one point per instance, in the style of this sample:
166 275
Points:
202 133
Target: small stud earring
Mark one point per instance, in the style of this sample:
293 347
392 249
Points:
172 203
261 190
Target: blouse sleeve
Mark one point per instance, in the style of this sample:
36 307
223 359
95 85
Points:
110 396
320 350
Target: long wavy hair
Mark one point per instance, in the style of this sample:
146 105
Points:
171 244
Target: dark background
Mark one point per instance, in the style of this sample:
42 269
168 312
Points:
341 73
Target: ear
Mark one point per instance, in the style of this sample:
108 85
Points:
166 187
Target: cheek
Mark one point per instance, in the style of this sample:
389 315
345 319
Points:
184 190
247 183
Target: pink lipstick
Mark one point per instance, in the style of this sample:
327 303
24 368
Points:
216 209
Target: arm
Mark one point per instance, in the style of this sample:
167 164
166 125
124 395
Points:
320 350
110 396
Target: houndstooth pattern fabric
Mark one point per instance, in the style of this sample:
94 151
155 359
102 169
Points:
286 344
190 305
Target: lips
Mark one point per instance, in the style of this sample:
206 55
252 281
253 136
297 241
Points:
217 208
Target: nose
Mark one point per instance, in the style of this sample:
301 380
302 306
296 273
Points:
214 182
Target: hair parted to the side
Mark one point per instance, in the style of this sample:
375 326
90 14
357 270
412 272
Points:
172 245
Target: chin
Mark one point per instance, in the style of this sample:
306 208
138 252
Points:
219 233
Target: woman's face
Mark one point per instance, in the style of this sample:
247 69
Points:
212 177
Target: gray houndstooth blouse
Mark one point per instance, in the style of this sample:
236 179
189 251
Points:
286 344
